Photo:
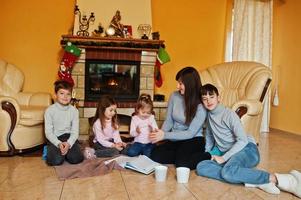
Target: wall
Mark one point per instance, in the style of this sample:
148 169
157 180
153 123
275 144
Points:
286 63
193 32
194 36
30 38
133 12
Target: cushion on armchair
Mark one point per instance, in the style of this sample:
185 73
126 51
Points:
32 115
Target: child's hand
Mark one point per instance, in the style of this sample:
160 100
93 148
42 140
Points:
218 159
124 144
64 147
119 146
150 128
138 130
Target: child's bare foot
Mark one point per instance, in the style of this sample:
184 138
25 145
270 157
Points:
89 153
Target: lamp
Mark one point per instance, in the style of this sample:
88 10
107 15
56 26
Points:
83 22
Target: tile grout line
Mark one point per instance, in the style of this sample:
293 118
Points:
62 190
190 191
124 185
3 180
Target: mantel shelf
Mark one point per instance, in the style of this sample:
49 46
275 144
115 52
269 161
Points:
113 43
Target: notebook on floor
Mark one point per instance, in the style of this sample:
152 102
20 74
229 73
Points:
141 163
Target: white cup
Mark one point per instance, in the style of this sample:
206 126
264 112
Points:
183 174
160 173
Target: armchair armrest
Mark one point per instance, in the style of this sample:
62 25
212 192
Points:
34 99
11 106
10 116
249 107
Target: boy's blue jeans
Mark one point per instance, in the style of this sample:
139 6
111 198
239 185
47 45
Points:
138 148
238 169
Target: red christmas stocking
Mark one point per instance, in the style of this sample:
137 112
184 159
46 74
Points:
70 56
65 74
158 77
69 59
162 58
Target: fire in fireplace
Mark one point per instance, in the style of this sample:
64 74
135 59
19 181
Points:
114 77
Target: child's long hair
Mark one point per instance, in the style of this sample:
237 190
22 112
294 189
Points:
104 102
143 101
190 77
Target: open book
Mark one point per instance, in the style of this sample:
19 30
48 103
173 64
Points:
141 163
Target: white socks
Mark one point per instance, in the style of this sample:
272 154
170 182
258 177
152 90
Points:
268 187
290 182
287 182
89 153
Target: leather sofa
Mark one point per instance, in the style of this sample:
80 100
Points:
21 113
242 86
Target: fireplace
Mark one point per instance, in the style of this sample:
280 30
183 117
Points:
117 78
130 61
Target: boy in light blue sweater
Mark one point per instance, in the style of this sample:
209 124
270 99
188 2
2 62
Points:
235 153
62 128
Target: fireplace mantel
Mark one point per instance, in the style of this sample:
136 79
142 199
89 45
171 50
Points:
113 43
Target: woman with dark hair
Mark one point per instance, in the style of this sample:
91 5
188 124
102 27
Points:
182 128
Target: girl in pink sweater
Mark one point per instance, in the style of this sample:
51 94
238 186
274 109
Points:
143 122
107 141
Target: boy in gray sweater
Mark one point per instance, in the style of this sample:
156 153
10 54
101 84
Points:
62 128
235 153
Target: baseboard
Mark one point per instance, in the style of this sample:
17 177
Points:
284 132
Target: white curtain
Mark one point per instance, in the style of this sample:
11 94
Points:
251 39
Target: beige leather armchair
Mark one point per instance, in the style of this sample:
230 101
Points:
242 86
21 113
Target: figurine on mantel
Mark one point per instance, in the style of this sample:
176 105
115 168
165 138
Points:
98 32
116 24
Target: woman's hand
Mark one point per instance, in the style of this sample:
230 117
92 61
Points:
218 159
156 136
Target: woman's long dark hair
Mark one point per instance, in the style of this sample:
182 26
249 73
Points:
190 77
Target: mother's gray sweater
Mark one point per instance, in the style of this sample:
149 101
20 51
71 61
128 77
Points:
174 125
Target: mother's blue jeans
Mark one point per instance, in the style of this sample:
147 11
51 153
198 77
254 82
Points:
238 169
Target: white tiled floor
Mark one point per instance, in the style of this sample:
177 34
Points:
30 178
